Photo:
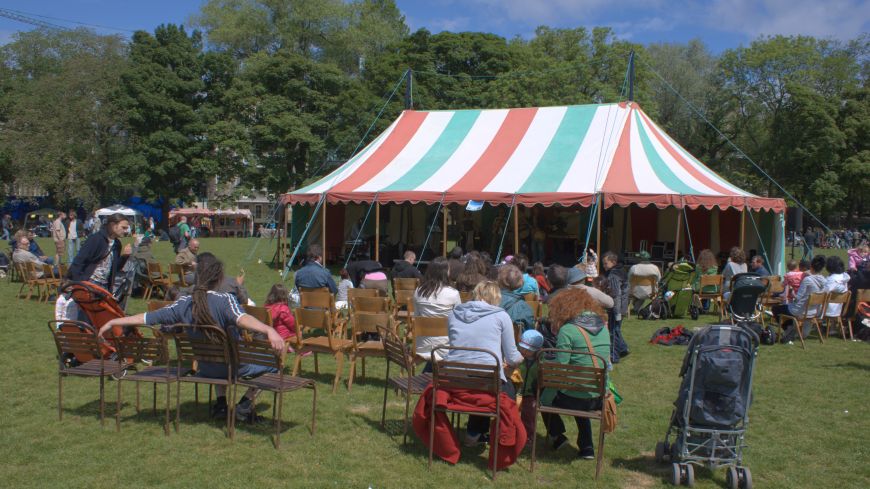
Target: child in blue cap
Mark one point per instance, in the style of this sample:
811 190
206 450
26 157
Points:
530 343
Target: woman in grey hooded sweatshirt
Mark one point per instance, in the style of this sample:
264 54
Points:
481 323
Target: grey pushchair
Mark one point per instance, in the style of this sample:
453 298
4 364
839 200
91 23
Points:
710 418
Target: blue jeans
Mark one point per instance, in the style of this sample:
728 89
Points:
219 370
72 249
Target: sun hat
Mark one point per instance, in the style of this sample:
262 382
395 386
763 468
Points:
531 340
575 275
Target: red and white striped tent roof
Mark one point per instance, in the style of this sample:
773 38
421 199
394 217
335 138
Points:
540 155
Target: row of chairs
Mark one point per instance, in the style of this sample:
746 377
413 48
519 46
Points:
821 301
149 346
45 279
159 281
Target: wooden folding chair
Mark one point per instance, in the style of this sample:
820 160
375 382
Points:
637 280
314 289
464 296
204 344
63 268
405 284
773 295
427 326
449 375
841 298
51 281
575 378
178 272
260 352
332 342
156 280
151 348
396 351
817 299
716 297
403 307
262 314
535 305
364 324
78 338
154 305
29 273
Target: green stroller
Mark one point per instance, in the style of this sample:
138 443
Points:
675 296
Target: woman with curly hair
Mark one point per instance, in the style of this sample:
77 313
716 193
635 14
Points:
571 311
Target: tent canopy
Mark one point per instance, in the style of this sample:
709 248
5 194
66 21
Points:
550 155
189 211
118 209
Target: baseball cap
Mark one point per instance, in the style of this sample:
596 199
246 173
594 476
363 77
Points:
575 275
531 340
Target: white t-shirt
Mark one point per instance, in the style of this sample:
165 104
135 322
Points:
837 282
436 305
73 231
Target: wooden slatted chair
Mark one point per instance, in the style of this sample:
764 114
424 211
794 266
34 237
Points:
637 280
712 281
177 271
260 352
193 345
151 348
464 296
30 279
364 328
403 307
405 284
314 289
448 375
358 292
773 295
331 341
78 338
817 300
51 281
574 378
396 351
318 300
63 268
427 326
841 298
156 280
154 305
535 305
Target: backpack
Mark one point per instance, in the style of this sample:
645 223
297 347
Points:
174 235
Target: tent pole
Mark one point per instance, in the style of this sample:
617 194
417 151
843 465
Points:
598 227
677 239
377 231
742 227
323 233
517 231
444 232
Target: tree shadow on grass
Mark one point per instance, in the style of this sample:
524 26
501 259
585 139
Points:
646 464
853 365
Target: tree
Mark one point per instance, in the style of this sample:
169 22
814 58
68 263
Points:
71 152
164 91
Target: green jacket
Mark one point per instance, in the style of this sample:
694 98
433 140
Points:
529 371
570 338
710 289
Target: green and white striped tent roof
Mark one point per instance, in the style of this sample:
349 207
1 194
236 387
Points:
541 155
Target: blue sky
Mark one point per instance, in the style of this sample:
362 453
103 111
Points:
721 24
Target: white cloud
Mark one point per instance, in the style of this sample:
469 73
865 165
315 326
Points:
842 19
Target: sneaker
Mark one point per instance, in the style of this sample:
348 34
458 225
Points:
558 442
219 410
587 454
250 418
475 439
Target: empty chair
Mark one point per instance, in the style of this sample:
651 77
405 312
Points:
396 351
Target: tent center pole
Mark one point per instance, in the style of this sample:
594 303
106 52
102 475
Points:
377 231
323 234
517 231
444 232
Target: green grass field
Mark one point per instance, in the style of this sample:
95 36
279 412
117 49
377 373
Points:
808 425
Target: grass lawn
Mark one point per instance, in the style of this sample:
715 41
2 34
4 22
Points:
809 420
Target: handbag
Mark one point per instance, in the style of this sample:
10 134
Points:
609 418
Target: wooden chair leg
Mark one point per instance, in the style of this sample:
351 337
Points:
339 366
297 363
278 424
800 332
313 408
600 457
842 327
493 445
177 405
818 326
384 406
352 372
102 400
118 408
166 419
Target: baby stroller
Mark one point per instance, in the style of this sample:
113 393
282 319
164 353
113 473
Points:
675 295
710 418
99 306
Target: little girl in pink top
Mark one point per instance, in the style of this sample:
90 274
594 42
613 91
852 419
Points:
282 319
792 280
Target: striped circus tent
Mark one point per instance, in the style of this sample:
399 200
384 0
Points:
566 155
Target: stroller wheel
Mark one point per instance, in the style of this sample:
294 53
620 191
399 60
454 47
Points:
676 474
745 477
731 478
660 452
690 475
